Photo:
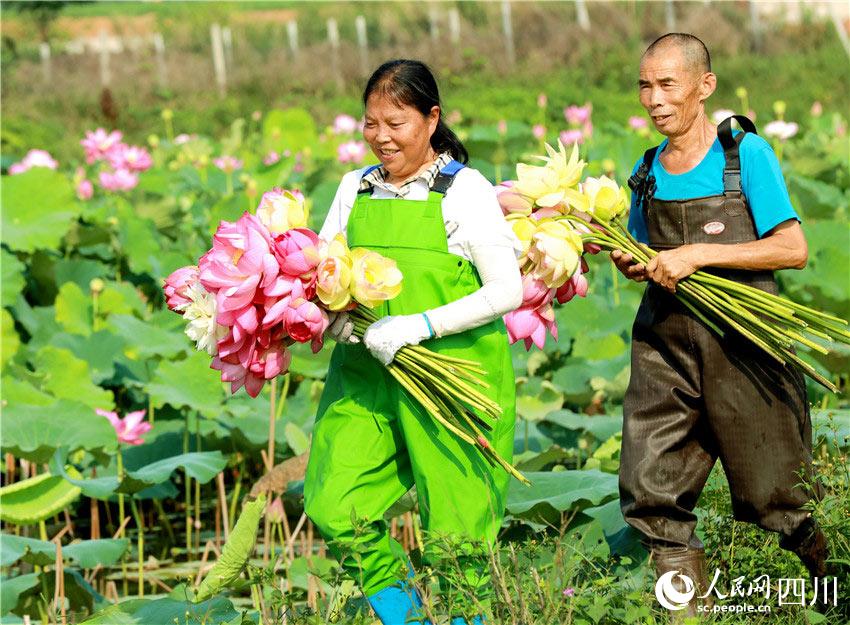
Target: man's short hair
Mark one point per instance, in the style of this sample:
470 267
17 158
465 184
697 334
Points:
693 50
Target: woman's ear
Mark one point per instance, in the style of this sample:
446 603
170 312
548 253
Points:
433 119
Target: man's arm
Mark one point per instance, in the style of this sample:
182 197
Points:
783 247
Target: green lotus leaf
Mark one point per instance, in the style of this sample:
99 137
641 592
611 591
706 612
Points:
38 208
38 498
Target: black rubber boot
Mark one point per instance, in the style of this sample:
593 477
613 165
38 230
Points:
690 563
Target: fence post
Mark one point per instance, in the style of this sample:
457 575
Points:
582 17
159 50
44 51
104 59
333 38
454 25
227 42
508 29
670 16
755 25
362 43
432 20
218 59
292 33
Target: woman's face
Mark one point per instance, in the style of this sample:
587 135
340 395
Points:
400 136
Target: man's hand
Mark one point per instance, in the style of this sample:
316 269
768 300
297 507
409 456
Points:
627 266
670 266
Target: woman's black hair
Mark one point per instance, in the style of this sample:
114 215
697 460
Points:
412 83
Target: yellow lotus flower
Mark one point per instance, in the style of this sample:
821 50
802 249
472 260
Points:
552 185
555 251
374 278
604 197
281 210
333 274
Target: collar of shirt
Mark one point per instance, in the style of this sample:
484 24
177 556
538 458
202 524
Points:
376 177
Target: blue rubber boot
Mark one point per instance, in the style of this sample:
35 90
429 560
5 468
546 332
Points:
395 604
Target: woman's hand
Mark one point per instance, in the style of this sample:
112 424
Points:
388 335
341 328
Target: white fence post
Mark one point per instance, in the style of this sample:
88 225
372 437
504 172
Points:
292 33
159 50
582 17
362 43
670 15
227 42
105 75
454 25
333 38
44 51
432 19
218 59
508 29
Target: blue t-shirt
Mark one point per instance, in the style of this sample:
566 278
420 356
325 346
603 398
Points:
761 180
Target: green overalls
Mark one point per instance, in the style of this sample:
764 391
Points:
372 442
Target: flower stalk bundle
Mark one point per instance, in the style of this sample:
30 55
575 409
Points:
558 219
269 282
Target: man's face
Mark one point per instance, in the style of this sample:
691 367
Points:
670 91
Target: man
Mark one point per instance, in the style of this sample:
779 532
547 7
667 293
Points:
714 201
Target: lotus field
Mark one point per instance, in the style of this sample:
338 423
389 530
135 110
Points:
138 488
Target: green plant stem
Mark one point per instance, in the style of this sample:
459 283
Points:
188 492
140 545
121 520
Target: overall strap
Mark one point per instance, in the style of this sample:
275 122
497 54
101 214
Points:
731 144
641 183
446 177
368 171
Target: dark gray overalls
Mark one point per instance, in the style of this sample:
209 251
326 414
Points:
694 396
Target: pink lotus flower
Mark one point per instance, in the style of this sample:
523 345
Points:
577 285
304 321
817 109
503 127
454 117
530 325
272 158
539 131
344 125
228 164
184 138
571 136
129 429
542 101
119 180
98 143
636 122
240 263
781 130
34 158
720 114
85 189
297 252
129 157
177 286
351 152
535 293
275 512
511 201
578 115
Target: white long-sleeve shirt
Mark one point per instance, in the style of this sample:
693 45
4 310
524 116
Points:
476 230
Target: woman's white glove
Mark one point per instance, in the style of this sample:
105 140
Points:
341 328
388 335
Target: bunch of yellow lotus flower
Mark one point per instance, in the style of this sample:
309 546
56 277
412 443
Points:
556 218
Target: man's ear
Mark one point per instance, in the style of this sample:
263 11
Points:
707 85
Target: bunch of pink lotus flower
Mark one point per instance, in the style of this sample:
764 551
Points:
34 158
269 281
539 206
124 162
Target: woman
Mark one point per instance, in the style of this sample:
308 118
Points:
440 221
